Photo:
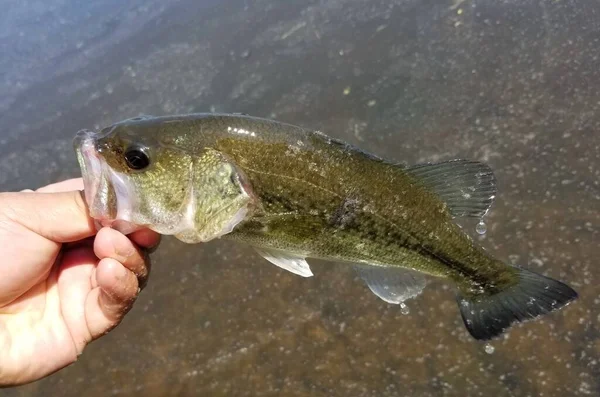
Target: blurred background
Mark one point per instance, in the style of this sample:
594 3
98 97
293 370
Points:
513 83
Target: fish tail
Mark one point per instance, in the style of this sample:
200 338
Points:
533 295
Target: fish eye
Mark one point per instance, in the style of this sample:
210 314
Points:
137 158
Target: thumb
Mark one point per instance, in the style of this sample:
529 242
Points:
61 217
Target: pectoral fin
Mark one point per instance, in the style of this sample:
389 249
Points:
392 284
467 187
293 263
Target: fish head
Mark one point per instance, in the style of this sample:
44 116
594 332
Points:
142 173
132 179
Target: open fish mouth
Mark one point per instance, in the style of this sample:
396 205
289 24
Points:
92 173
104 201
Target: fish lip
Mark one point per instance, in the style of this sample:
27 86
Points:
92 172
99 182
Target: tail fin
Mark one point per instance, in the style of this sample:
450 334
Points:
534 295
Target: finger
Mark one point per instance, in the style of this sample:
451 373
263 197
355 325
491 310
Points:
106 305
60 217
110 243
146 238
74 284
64 186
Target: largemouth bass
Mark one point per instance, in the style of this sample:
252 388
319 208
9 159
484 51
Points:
294 194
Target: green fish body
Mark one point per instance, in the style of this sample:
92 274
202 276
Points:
294 194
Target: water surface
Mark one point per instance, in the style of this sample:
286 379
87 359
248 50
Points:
515 84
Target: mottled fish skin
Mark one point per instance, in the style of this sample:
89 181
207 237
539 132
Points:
320 196
304 193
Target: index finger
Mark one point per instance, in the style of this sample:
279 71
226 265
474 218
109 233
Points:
61 217
64 186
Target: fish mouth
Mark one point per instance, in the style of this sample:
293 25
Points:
92 173
105 203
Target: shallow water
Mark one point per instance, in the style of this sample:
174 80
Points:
512 84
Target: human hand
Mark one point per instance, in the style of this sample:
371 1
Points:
62 283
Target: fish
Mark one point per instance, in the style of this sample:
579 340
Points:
294 193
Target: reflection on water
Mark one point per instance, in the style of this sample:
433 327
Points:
515 85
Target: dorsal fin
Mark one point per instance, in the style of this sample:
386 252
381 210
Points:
467 187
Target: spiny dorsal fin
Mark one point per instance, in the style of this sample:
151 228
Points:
392 284
467 187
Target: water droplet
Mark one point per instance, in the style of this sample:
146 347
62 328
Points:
489 349
481 228
404 309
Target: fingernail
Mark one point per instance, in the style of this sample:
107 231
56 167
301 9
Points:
121 249
121 272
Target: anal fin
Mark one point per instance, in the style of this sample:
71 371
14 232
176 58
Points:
392 284
467 187
290 262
